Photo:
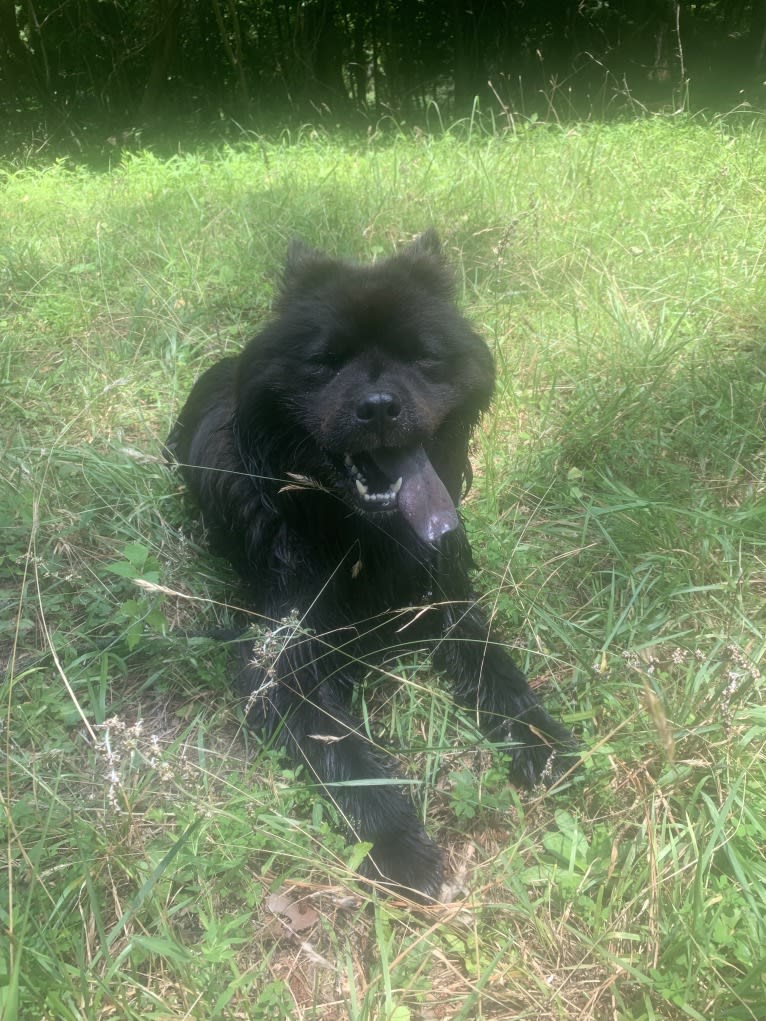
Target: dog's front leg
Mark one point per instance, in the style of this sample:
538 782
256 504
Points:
488 683
307 717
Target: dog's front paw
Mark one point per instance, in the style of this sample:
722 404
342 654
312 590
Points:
406 862
542 750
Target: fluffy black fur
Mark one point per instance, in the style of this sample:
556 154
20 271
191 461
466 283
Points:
328 459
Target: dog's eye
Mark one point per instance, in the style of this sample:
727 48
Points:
332 361
432 368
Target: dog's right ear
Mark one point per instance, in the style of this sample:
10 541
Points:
298 252
304 266
427 243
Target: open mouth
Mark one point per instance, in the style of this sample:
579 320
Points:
402 479
374 490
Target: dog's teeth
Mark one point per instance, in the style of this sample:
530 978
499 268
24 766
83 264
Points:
352 468
387 496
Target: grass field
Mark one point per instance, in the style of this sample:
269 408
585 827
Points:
160 863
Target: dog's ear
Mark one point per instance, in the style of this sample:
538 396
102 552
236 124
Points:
304 266
425 262
427 243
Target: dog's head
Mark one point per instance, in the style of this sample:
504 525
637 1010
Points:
374 379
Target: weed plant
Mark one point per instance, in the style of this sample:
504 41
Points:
160 863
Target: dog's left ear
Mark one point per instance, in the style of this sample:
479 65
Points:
426 263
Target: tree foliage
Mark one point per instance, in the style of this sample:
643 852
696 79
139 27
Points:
131 62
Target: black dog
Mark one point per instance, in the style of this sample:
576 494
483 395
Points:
328 459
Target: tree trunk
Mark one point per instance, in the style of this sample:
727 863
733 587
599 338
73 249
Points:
21 80
231 37
163 48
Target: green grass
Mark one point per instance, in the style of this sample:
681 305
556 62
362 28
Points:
160 862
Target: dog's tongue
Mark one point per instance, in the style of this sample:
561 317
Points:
423 502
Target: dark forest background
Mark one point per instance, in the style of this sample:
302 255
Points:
125 66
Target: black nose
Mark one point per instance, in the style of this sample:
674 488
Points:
378 408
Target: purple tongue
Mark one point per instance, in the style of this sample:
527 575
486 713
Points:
423 501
